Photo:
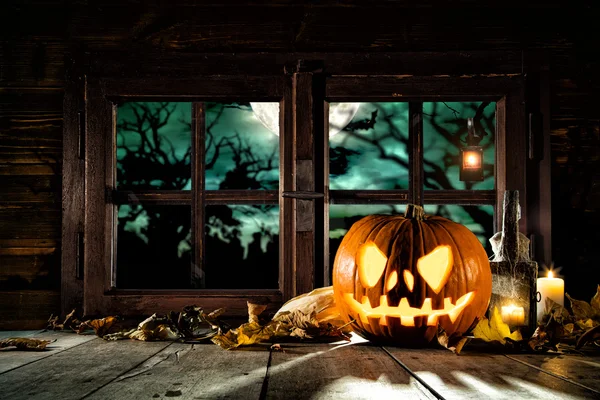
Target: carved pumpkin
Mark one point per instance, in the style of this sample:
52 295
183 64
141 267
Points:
399 277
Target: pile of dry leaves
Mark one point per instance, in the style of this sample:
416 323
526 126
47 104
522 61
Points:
314 316
309 316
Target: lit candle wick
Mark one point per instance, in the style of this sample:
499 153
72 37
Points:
550 274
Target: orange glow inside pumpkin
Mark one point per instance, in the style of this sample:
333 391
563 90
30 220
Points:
409 279
371 264
435 268
392 281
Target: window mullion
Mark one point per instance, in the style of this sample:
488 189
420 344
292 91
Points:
415 155
198 163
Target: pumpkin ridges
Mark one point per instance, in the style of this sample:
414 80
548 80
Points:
458 285
471 311
404 241
431 239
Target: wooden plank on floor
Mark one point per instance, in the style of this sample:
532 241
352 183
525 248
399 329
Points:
28 333
474 375
187 371
331 371
583 370
76 372
11 358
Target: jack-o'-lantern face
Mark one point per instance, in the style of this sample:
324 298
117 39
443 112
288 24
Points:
399 278
434 268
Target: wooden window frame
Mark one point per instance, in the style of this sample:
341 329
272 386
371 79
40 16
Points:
304 84
507 92
100 295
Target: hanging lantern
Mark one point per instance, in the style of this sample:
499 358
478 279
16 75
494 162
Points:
471 156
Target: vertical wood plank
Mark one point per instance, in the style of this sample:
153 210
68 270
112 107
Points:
287 217
198 163
500 167
415 137
98 213
304 127
545 166
72 188
516 148
326 267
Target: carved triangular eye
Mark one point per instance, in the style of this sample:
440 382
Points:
371 264
436 267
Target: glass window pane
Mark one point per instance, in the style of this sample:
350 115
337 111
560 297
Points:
444 133
153 247
479 220
242 247
154 146
242 146
371 152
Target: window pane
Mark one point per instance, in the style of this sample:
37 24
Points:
242 146
444 133
242 247
371 152
153 247
479 219
154 146
342 216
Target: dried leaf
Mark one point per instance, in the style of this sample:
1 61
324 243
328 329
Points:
161 332
589 336
595 302
569 328
71 322
101 326
454 343
294 323
586 324
247 334
495 329
581 309
254 311
25 343
555 310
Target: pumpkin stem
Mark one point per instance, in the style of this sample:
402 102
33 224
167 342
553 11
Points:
414 211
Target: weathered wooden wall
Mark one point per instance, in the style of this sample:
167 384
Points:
36 36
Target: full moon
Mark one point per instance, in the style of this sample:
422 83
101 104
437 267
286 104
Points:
340 115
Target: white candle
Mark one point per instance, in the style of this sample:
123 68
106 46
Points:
513 315
550 288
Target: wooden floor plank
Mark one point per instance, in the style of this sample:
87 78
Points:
475 376
75 372
11 358
188 371
8 334
583 370
352 371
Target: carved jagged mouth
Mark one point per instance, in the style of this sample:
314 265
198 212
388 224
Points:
405 312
